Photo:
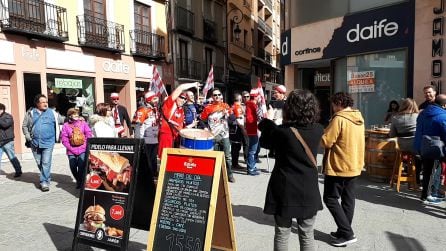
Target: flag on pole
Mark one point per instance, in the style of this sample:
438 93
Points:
209 82
262 97
157 84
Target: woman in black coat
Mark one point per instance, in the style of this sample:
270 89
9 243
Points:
293 190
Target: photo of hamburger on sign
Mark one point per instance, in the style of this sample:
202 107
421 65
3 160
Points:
108 171
94 218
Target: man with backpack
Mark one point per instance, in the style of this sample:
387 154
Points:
431 122
41 129
74 135
7 139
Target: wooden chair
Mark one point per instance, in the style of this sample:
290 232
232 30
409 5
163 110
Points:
408 159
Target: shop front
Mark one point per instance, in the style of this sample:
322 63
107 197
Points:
68 75
367 54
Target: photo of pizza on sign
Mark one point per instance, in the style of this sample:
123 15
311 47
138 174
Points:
108 171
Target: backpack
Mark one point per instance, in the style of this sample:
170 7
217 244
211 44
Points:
77 138
432 147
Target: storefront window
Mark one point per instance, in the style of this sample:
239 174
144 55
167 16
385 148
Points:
65 92
373 80
141 88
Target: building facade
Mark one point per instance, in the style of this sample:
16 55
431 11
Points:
77 53
197 40
365 48
253 44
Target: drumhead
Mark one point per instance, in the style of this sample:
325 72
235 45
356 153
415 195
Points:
196 134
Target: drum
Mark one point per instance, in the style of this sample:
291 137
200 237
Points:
197 139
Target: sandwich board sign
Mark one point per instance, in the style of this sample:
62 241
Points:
192 209
106 201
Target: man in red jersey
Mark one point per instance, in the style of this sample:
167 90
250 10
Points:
253 114
216 114
172 117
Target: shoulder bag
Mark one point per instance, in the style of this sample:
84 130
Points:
307 149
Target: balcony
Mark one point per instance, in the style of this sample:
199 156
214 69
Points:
187 68
262 24
264 55
209 31
35 19
269 4
185 20
100 34
147 44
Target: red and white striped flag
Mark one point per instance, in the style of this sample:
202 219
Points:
262 97
157 84
209 82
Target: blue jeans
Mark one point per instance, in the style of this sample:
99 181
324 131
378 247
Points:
43 157
225 145
8 148
436 179
77 167
252 149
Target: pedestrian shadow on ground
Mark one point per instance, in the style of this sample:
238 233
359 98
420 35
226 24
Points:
401 242
381 193
62 181
252 213
62 238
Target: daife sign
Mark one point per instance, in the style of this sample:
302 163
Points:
376 30
379 29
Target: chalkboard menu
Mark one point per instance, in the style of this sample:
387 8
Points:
105 204
186 198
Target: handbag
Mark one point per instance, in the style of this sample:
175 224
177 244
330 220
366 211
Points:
306 148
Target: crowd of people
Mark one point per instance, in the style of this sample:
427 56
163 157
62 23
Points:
290 129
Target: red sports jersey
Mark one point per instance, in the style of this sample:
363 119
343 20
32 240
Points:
174 114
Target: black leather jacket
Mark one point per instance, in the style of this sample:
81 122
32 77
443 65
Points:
6 128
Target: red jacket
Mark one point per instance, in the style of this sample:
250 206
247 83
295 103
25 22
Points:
251 118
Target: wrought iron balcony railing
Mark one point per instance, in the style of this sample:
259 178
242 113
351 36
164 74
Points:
261 53
209 30
262 24
147 44
187 68
99 33
185 20
269 4
268 30
242 45
34 18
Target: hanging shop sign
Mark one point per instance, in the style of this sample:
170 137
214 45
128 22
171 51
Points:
68 83
437 45
379 29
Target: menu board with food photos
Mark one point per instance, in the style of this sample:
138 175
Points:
192 209
106 200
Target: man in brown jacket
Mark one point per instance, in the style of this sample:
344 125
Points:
344 143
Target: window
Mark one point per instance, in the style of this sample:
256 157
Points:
373 81
96 28
142 17
183 57
208 53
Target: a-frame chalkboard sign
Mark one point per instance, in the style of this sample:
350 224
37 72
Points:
192 209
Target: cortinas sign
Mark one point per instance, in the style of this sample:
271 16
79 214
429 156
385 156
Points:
437 44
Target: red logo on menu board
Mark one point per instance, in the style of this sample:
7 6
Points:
191 165
94 181
116 212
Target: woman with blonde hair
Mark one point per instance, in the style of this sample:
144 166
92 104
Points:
403 126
